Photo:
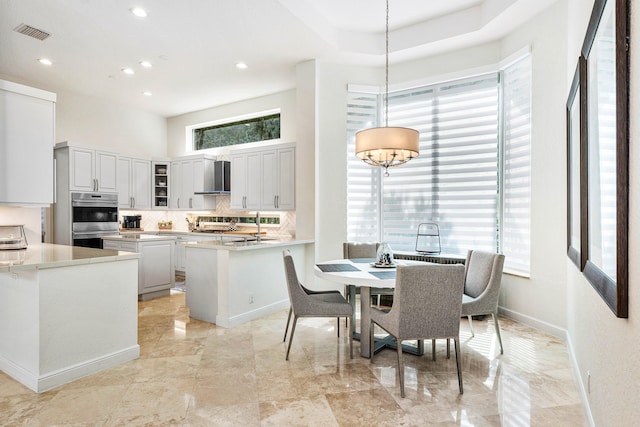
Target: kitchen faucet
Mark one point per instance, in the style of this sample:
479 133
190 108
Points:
258 224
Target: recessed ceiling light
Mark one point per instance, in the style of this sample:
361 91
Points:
128 71
45 61
146 64
242 66
147 93
139 12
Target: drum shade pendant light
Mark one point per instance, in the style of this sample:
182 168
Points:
387 146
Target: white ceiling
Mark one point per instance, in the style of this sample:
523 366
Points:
195 44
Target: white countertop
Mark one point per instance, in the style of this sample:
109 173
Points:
47 255
243 246
139 237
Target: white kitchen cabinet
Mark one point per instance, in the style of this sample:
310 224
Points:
278 179
156 272
87 169
27 132
189 176
263 179
133 183
161 184
245 181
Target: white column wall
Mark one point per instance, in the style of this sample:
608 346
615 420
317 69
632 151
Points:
541 299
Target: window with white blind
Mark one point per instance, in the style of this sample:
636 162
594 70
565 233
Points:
469 138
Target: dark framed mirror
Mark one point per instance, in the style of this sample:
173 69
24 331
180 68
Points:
576 172
606 52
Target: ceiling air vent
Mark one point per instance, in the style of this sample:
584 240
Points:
30 31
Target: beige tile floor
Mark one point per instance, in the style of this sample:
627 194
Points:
193 373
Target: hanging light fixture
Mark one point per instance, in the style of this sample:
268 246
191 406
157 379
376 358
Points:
387 146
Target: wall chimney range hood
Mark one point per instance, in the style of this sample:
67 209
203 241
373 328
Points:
221 179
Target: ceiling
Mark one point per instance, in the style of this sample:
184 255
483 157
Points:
194 45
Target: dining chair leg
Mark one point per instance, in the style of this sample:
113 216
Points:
448 348
495 322
458 365
338 326
350 338
471 327
286 329
293 329
433 350
400 367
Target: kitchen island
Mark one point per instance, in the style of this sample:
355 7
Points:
67 312
230 283
156 273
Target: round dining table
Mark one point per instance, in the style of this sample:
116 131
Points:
363 273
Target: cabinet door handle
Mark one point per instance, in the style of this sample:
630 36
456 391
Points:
133 202
190 202
178 202
275 201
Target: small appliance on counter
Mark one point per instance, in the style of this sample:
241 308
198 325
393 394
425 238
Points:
12 237
131 222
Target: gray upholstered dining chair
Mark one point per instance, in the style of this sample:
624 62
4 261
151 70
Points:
427 305
483 274
303 304
355 250
309 292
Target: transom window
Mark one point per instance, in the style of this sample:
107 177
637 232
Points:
472 177
237 132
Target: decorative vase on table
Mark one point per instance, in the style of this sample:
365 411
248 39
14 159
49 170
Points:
385 254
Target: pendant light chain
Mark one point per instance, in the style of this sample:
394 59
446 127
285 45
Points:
386 67
384 146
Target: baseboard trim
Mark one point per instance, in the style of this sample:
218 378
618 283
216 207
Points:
533 322
233 321
48 381
566 337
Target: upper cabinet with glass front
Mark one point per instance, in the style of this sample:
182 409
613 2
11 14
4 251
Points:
27 121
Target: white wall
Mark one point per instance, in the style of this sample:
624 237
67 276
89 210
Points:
541 300
603 345
87 120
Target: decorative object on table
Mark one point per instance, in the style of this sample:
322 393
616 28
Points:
165 225
387 146
384 257
428 238
233 226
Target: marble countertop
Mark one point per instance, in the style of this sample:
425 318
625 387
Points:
46 255
243 246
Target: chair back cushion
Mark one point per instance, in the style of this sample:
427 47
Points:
479 266
359 250
428 300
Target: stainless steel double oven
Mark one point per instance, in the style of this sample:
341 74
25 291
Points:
93 215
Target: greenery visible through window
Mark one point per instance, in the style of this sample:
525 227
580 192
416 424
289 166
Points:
240 132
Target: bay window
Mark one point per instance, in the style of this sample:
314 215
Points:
472 177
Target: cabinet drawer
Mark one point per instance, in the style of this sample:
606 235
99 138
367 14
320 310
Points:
128 247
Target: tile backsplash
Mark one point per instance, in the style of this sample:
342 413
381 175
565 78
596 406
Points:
150 218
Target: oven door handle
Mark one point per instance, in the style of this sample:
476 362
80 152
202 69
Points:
92 234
